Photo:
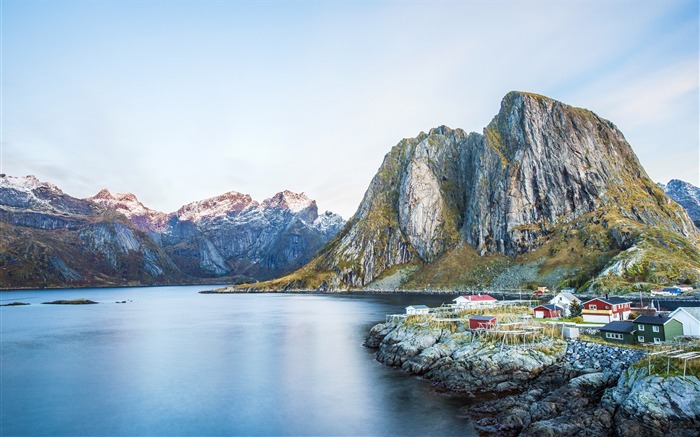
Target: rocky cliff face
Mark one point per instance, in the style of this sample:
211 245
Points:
548 193
50 238
686 195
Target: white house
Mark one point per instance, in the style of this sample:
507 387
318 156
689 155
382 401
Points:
475 301
415 310
564 300
690 318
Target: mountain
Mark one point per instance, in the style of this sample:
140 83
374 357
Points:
234 233
548 194
52 239
686 195
49 238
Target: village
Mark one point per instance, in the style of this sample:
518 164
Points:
670 339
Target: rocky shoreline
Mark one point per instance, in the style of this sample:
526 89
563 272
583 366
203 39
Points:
554 388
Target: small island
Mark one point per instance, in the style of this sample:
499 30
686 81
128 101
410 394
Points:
14 304
71 302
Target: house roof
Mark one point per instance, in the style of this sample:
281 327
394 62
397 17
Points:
417 307
550 307
477 298
611 300
483 318
652 320
622 327
566 295
693 311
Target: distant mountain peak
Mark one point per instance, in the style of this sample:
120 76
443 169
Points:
229 202
686 195
26 183
294 202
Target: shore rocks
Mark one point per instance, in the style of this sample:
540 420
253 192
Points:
554 389
655 405
458 362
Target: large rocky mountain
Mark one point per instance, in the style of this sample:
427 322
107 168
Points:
548 194
686 195
52 239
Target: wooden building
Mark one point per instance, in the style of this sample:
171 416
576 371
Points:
606 309
655 329
619 332
482 322
548 311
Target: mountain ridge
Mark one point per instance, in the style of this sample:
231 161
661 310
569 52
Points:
53 239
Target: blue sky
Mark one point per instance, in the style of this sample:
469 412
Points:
177 101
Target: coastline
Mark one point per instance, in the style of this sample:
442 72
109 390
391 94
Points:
556 388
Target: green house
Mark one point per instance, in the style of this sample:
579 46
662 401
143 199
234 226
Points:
655 329
618 332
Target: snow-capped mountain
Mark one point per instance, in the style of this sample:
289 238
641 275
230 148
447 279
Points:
50 238
142 217
686 195
234 233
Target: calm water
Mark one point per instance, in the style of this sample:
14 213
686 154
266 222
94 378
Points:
175 362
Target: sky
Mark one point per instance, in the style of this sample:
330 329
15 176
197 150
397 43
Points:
177 101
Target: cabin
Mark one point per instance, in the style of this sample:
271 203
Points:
482 322
564 301
417 310
474 301
548 311
606 309
690 318
618 332
655 329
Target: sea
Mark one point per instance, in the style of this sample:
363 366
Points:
171 361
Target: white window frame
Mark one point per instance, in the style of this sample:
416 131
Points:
655 329
640 327
592 307
640 338
657 340
614 336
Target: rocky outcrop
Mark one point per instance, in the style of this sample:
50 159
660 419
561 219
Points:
457 361
544 176
655 405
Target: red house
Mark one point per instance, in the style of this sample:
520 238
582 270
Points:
477 322
606 309
547 311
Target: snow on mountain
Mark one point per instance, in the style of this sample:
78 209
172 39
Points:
686 195
294 202
142 217
27 183
208 209
329 223
30 194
